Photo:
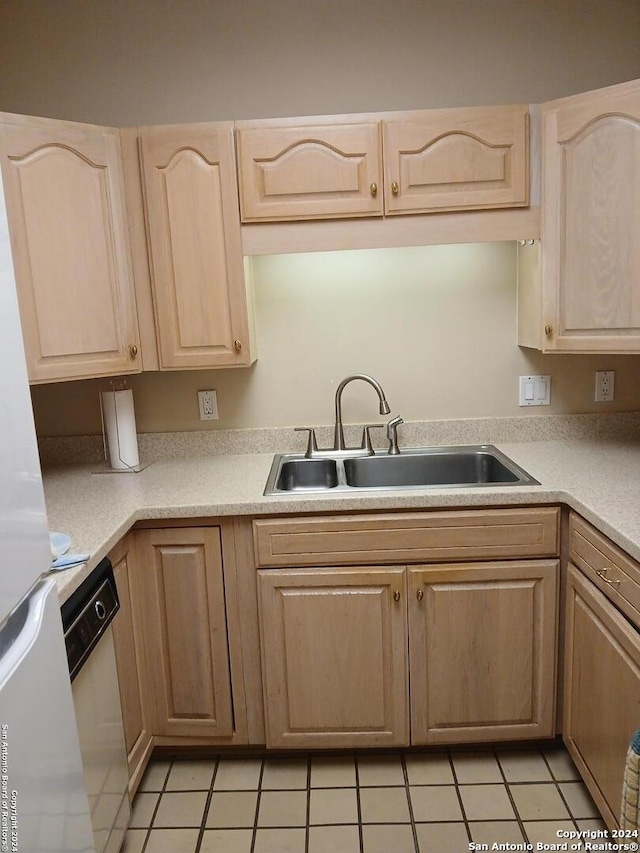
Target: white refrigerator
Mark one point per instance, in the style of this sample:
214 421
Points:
43 803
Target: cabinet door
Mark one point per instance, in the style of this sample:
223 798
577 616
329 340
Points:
64 190
185 631
130 662
334 657
602 691
323 171
591 203
200 294
456 159
482 651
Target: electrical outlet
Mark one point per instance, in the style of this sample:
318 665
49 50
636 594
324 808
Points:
604 386
208 405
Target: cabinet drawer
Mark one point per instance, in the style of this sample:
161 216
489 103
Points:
608 566
406 537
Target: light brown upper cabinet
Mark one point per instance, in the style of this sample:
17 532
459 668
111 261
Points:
456 159
201 297
64 191
580 290
355 166
292 170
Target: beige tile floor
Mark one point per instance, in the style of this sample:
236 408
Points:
431 802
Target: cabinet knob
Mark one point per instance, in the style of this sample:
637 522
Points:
396 595
548 330
374 189
420 594
133 351
237 345
394 187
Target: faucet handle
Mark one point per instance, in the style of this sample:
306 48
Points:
392 435
312 444
365 444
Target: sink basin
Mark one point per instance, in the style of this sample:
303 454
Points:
413 468
432 469
304 474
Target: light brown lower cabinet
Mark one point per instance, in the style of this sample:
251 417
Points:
481 644
130 662
482 650
602 691
334 657
182 606
337 656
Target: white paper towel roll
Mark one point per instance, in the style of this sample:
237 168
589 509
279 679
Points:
120 423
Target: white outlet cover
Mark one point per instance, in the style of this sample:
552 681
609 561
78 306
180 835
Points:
535 391
605 386
208 405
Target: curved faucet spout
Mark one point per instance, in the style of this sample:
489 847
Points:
338 434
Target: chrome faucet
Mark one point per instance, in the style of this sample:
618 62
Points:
338 432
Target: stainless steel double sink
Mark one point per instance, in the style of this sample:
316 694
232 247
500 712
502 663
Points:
413 468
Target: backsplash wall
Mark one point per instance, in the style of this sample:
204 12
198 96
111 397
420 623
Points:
435 325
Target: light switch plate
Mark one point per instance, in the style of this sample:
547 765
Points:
535 391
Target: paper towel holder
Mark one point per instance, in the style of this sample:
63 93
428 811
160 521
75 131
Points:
119 438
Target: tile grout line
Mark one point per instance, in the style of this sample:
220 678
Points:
258 798
207 806
559 789
359 805
155 811
307 828
458 794
408 793
511 799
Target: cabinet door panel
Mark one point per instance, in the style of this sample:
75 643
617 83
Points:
602 691
482 651
185 631
309 172
198 275
334 657
130 661
456 159
65 203
592 218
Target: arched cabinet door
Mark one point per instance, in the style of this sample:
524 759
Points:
591 202
198 279
456 159
328 169
63 187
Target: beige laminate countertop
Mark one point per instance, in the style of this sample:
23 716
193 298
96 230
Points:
600 479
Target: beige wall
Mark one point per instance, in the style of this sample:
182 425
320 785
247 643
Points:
154 61
435 325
